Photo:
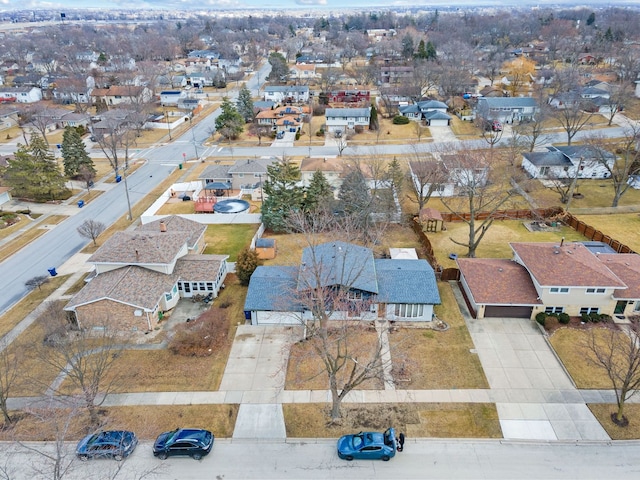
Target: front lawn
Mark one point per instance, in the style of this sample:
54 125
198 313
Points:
416 420
431 359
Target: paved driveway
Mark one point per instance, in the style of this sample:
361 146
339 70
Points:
534 396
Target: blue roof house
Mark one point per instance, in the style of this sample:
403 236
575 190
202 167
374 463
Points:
386 289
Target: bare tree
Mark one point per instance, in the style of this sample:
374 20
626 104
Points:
91 229
621 166
341 142
36 282
85 358
115 139
477 193
329 289
618 354
87 176
9 377
427 176
533 132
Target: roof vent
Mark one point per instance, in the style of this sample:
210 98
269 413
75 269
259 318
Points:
556 250
163 227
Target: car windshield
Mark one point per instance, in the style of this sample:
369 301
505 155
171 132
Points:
357 441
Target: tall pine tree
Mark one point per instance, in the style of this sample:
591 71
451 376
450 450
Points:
74 153
229 123
283 195
34 172
244 104
319 193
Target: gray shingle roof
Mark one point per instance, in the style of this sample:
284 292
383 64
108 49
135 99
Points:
406 281
338 263
347 112
140 247
268 290
508 102
192 231
541 159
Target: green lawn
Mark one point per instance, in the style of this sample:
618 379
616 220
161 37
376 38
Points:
623 227
228 239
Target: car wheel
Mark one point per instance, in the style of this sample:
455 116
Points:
196 456
162 455
386 458
348 458
117 457
84 458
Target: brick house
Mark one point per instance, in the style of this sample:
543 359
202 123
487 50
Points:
141 274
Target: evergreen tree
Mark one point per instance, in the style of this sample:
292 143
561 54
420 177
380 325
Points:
396 176
591 19
230 123
319 193
422 51
431 51
355 198
374 124
34 172
244 104
74 153
282 193
246 264
279 68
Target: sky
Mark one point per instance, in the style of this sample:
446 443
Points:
271 4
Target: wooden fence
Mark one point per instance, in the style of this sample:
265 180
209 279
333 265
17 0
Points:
596 235
504 214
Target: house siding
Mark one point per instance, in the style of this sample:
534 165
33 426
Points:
116 315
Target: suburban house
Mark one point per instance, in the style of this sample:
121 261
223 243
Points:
204 78
171 97
582 161
302 72
287 93
433 112
507 109
395 74
243 174
5 196
350 96
56 118
8 117
141 274
119 94
332 168
555 277
392 289
447 175
27 94
286 118
347 119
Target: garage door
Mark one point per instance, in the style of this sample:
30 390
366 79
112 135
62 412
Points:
516 312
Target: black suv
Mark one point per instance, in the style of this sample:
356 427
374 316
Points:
195 443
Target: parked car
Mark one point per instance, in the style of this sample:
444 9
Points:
280 135
117 444
496 126
368 445
192 442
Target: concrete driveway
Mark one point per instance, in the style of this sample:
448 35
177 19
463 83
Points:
535 398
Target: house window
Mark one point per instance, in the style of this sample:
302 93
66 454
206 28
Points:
354 295
544 170
588 310
409 310
180 286
595 290
210 286
202 287
550 310
559 290
168 297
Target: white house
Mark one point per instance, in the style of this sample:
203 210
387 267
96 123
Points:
507 109
344 119
287 93
568 162
171 97
20 94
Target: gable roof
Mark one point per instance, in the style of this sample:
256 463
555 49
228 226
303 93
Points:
406 281
507 102
498 281
268 289
140 247
338 263
551 159
191 230
348 112
625 266
570 264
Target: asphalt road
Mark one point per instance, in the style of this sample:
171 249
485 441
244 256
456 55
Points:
432 459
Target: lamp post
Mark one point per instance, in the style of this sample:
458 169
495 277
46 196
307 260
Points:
166 117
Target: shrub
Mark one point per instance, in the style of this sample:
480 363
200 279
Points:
563 318
551 322
605 318
320 133
594 317
400 120
541 317
298 135
358 129
201 337
585 317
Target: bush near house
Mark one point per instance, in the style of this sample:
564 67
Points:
400 120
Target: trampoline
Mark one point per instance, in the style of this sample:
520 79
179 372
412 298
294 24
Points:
231 206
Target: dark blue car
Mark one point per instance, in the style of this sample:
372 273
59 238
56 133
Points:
192 442
116 444
368 445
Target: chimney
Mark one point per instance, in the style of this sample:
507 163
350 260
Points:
163 226
562 242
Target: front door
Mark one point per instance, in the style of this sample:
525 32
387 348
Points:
187 289
620 306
